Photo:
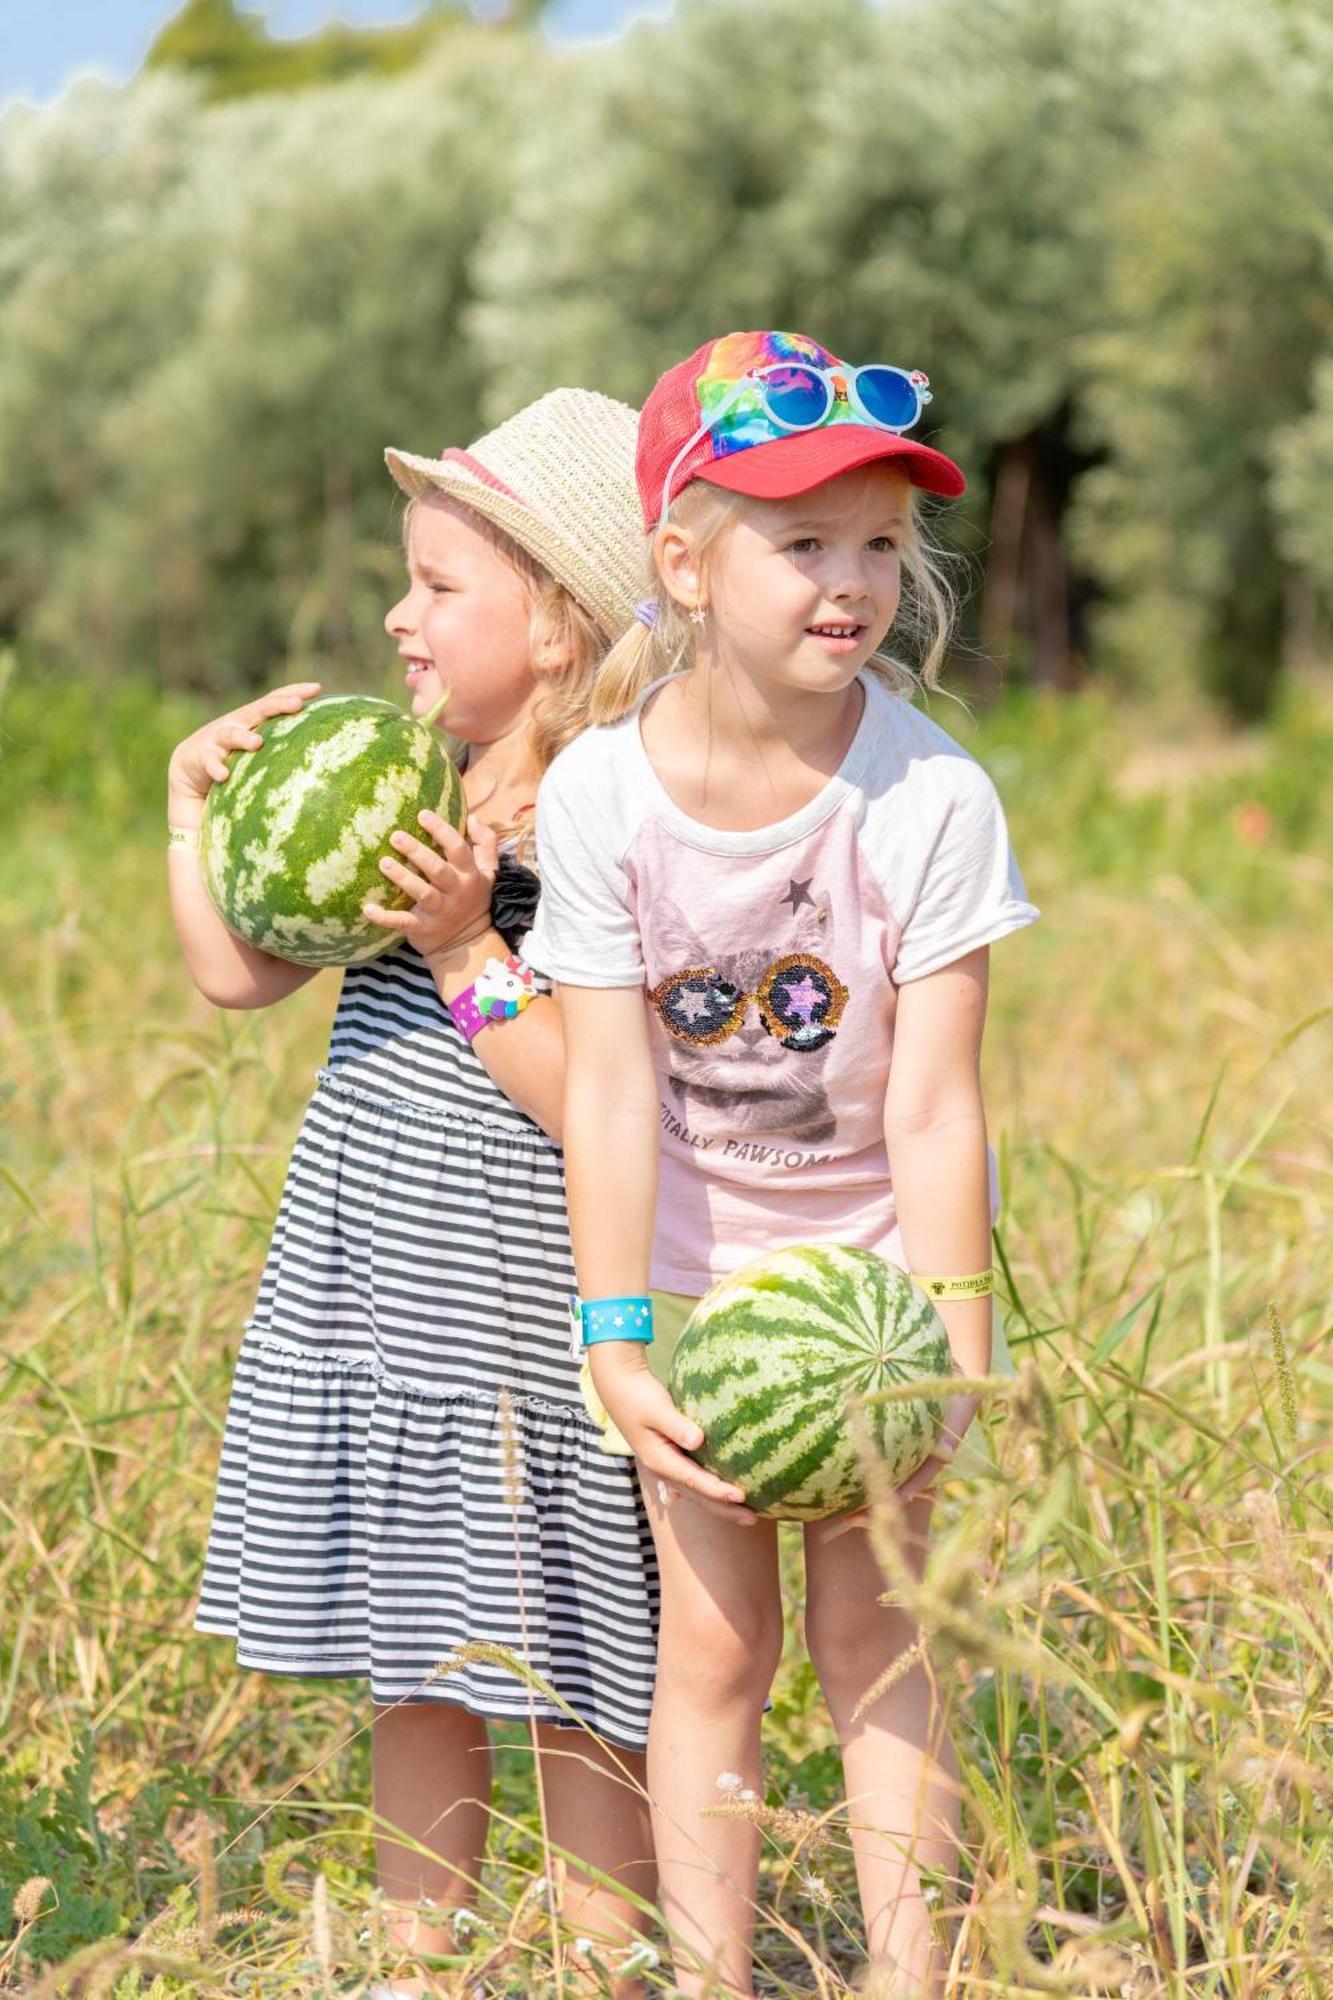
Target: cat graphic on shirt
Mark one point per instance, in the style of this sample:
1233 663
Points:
749 1081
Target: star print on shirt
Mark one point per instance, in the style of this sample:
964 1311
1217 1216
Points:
692 1003
798 893
802 999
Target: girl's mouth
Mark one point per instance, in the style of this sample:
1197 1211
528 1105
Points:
417 670
840 636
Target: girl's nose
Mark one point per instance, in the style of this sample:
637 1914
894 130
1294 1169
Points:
849 586
396 622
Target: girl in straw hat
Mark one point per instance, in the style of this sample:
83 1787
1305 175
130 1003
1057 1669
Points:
408 1468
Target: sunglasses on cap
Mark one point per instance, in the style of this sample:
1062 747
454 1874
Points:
798 396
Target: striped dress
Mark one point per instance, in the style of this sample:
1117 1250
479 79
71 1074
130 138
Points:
407 1464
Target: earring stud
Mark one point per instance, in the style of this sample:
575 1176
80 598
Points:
698 615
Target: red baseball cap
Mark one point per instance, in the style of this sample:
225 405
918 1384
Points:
711 417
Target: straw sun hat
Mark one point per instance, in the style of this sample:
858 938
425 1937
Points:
558 478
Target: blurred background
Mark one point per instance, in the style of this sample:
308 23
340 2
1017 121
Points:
1104 228
260 248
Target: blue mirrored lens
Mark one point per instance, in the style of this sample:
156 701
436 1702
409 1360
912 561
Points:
887 396
796 396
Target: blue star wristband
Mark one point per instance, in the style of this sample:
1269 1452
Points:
615 1319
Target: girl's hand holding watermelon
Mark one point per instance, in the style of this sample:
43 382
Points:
226 970
661 1437
958 1415
200 761
449 884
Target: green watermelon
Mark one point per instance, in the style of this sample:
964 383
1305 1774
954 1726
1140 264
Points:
291 844
770 1358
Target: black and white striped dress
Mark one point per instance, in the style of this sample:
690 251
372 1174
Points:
378 1505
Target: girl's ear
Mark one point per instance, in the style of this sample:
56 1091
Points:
678 566
548 653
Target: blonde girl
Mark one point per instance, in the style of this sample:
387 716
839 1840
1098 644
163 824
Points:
408 1469
770 885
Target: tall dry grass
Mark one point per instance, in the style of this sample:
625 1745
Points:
1131 1613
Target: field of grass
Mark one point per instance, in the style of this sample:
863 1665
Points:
1135 1617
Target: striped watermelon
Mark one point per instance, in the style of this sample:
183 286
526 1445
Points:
291 844
770 1357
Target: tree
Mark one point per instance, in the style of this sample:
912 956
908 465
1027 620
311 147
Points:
231 53
197 385
1218 303
919 182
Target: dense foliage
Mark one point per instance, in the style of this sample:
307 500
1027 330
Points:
1105 228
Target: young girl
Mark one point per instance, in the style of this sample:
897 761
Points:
769 889
408 1465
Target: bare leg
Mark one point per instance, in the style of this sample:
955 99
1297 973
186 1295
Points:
898 1765
597 1811
720 1644
432 1787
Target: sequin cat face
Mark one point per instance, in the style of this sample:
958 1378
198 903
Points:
748 1030
800 1001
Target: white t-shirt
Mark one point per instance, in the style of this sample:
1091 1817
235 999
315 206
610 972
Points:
771 961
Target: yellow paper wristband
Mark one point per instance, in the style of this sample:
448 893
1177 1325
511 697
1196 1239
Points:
975 1287
183 836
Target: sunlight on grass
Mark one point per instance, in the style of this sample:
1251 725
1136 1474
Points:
1132 1608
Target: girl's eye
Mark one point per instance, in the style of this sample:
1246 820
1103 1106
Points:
884 544
804 545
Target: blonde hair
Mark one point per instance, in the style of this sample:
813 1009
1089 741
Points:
565 647
645 653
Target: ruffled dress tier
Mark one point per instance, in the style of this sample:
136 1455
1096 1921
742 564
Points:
407 1464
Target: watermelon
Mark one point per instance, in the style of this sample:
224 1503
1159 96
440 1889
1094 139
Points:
770 1358
291 844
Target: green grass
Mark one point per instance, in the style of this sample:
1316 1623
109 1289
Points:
1134 1617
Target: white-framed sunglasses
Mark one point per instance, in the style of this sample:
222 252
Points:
798 396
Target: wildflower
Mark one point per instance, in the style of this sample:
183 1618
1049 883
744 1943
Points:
748 1797
815 1887
729 1782
1253 822
643 1958
583 1947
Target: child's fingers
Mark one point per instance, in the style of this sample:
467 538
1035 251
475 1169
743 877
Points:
664 1461
447 838
238 736
924 1476
485 846
389 920
723 1510
278 701
410 884
216 768
424 859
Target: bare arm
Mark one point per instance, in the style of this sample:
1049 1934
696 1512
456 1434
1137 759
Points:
935 1130
526 1056
611 1149
448 882
226 970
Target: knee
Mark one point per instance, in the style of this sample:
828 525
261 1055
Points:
720 1656
851 1644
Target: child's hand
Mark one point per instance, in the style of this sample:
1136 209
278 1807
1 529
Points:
958 1415
449 886
660 1437
200 761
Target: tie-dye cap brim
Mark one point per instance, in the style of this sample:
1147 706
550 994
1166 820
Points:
745 452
